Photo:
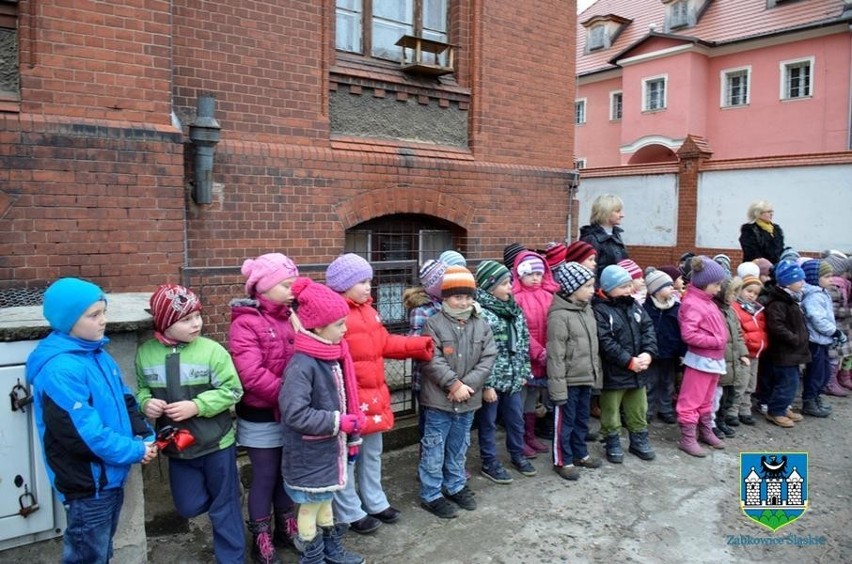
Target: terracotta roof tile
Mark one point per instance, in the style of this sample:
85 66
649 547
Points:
723 21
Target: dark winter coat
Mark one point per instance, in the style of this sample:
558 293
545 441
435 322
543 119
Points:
667 329
786 328
758 243
609 246
624 331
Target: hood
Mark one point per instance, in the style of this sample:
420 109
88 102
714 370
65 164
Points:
808 290
256 306
54 345
415 297
547 281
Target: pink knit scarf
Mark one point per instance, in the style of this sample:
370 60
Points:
311 346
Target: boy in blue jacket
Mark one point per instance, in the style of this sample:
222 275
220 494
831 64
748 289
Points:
89 423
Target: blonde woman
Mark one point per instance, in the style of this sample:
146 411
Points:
604 231
760 237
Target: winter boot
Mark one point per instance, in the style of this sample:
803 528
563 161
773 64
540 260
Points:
544 426
613 449
844 378
262 549
640 446
529 434
334 551
833 387
310 552
822 405
688 443
705 432
812 408
285 529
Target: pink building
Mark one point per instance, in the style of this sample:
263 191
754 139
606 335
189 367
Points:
754 78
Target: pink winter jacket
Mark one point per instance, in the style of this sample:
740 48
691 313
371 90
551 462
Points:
535 302
702 325
261 343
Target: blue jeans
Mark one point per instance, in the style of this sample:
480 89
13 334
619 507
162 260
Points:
351 503
509 405
91 525
571 427
446 438
785 382
817 372
210 484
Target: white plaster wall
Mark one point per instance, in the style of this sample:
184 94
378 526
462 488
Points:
813 204
650 206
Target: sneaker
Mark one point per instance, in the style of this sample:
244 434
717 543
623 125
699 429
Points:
496 473
389 515
780 420
463 498
365 525
440 507
569 472
763 408
588 462
525 467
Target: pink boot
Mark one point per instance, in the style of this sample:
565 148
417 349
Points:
844 378
706 434
530 440
688 443
833 388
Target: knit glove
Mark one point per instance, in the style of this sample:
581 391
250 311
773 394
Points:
352 423
839 338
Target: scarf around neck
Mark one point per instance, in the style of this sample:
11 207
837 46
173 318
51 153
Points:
460 314
315 346
765 225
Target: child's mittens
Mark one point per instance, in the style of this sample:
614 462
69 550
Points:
352 423
353 453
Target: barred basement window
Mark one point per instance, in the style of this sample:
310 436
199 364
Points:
10 86
372 27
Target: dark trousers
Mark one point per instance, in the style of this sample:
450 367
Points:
661 382
817 372
509 406
765 379
571 425
785 382
210 484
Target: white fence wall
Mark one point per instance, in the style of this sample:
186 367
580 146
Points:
650 206
813 204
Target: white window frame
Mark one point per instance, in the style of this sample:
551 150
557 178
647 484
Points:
580 163
679 14
612 95
783 71
648 80
597 37
724 76
580 103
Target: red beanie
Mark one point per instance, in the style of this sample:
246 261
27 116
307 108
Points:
171 303
578 251
555 254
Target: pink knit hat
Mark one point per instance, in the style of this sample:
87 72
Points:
317 305
266 271
347 270
632 268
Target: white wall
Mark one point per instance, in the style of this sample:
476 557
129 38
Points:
813 204
650 206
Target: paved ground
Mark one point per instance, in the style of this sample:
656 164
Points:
674 509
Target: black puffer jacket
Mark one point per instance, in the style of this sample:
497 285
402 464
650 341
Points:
757 243
609 246
624 330
786 329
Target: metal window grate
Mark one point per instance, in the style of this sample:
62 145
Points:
20 297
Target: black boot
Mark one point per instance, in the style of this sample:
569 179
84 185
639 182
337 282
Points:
613 449
544 426
334 551
310 552
285 529
262 549
640 446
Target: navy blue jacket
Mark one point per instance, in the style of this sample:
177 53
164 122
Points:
667 329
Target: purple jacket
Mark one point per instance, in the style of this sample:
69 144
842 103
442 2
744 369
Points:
702 325
260 340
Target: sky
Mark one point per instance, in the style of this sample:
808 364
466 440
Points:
583 4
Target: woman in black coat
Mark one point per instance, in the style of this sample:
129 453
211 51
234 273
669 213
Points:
760 237
603 232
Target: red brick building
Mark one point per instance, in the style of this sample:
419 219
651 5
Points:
326 144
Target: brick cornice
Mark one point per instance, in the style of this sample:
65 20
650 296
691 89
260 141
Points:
402 199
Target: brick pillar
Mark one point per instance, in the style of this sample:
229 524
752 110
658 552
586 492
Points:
691 155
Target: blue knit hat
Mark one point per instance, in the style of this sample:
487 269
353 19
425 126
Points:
614 277
452 258
815 269
788 272
571 276
67 299
347 270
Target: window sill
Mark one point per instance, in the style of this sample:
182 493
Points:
395 147
798 98
654 111
734 106
10 103
376 73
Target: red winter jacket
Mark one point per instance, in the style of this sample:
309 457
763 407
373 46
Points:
260 340
370 344
754 328
535 302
